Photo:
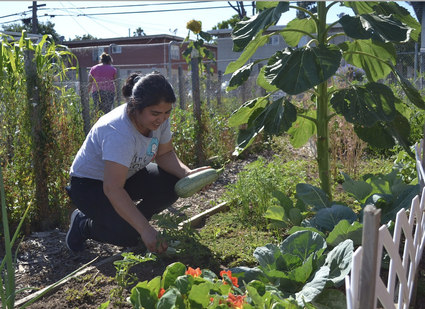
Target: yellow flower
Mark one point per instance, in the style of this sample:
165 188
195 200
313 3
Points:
194 25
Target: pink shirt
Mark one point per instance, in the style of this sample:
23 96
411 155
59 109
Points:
103 75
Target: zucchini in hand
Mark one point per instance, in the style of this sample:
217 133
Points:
191 184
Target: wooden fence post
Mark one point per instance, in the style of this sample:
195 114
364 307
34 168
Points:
84 93
367 281
208 86
38 112
220 75
182 94
194 62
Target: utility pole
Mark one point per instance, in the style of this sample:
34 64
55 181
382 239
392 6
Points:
34 16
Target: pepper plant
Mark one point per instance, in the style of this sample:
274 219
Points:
372 107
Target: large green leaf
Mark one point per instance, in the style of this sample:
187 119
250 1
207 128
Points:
377 65
302 130
404 200
361 7
267 256
292 34
245 30
303 244
273 119
262 5
382 135
376 27
365 105
264 83
295 71
313 196
172 272
343 231
250 49
412 93
171 299
339 262
314 287
143 297
244 113
199 295
329 217
330 299
402 14
358 188
284 201
240 76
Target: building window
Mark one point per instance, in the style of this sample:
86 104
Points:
274 40
96 53
116 49
175 52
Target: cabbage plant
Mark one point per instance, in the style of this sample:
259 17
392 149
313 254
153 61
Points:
372 107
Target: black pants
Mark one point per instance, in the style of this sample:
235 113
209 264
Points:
152 190
103 100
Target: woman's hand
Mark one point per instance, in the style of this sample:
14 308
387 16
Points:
151 238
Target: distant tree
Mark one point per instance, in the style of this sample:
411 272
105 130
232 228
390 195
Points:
43 28
239 7
308 5
227 24
139 32
84 37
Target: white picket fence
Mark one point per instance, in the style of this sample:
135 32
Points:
364 285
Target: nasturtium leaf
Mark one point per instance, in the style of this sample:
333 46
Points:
377 66
240 76
250 49
339 262
292 38
245 30
379 28
297 70
313 196
171 299
303 244
358 188
330 299
343 231
171 273
314 287
199 295
184 283
143 297
365 105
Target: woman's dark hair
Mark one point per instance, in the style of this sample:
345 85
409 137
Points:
144 91
105 58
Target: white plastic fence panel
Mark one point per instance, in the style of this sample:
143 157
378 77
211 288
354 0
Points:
396 291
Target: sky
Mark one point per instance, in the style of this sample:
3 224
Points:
72 18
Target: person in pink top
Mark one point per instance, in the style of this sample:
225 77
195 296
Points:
102 79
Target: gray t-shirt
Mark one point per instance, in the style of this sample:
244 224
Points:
114 138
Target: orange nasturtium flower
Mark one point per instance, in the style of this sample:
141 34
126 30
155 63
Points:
194 25
229 274
161 292
193 272
236 302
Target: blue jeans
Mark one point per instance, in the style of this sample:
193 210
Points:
152 186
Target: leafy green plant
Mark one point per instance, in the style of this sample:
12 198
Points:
302 267
123 277
386 192
372 107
